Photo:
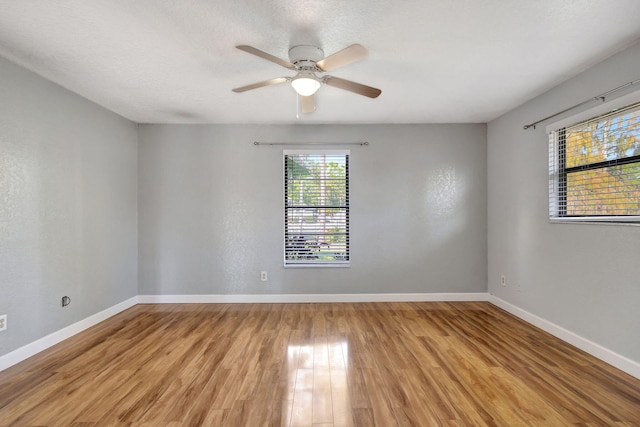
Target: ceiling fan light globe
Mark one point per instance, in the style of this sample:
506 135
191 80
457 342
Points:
305 86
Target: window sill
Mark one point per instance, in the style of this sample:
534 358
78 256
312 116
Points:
605 220
319 264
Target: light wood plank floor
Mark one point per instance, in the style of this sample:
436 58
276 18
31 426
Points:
386 364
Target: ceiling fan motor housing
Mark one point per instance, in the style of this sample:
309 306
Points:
305 55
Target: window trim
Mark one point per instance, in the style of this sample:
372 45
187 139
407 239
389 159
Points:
557 159
327 264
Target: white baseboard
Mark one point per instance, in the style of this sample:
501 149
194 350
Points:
54 338
303 298
614 359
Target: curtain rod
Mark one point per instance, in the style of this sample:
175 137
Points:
365 143
601 97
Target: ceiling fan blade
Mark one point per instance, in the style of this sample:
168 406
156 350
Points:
346 56
264 55
308 103
354 87
275 81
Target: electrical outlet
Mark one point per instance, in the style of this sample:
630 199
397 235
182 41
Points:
263 276
3 322
503 280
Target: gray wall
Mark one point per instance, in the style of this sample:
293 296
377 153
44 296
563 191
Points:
68 199
211 210
585 278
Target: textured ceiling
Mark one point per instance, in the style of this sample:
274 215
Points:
436 61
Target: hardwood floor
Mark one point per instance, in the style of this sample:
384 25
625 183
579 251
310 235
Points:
386 364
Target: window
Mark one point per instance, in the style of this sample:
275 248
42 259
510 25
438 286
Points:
316 208
594 168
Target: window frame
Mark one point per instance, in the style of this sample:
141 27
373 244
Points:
308 263
558 172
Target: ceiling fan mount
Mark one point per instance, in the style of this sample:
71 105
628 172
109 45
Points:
308 60
305 55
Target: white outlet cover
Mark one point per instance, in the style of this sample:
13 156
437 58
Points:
3 322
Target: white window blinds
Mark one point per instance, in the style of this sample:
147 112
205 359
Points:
316 211
594 168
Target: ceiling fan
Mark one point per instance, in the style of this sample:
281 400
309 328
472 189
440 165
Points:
308 61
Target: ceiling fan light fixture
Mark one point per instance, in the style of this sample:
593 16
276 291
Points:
305 84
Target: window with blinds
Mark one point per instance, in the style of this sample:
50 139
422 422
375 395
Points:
316 208
594 168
